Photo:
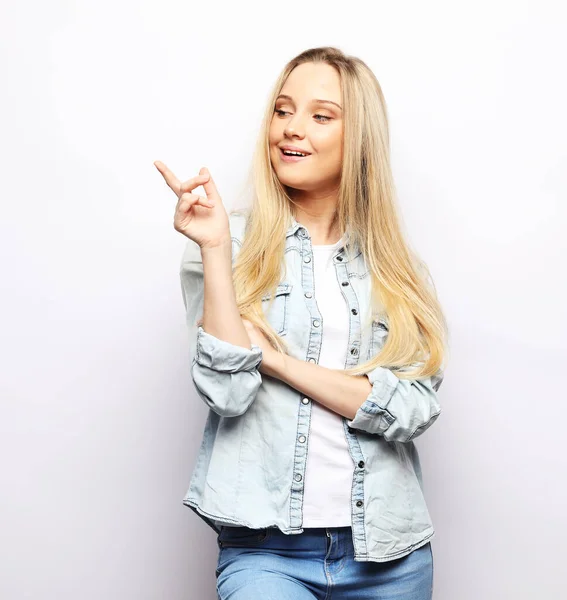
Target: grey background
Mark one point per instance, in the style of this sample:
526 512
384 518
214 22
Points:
99 421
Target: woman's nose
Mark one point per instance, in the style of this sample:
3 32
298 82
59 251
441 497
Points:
294 128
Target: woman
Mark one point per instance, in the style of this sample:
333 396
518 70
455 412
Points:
319 353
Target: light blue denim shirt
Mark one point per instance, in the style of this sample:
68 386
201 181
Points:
250 466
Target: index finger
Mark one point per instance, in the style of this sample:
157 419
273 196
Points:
169 177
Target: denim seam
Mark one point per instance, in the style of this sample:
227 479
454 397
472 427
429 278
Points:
412 434
285 311
327 574
237 498
400 553
198 462
432 569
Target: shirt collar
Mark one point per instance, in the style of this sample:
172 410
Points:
295 226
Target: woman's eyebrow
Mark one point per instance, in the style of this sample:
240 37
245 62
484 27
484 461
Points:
314 100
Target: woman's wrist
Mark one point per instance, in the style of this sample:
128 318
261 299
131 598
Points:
279 366
217 246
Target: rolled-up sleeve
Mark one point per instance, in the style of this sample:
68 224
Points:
398 409
226 376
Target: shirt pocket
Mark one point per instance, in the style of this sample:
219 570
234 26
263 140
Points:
379 335
276 309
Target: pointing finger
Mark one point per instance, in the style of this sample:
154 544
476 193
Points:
177 186
168 175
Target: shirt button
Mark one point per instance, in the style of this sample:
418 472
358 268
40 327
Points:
298 477
354 351
302 438
350 429
307 259
312 360
316 323
339 258
305 400
361 463
308 294
359 502
354 311
345 283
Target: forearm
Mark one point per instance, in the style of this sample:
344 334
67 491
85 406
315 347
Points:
221 317
339 392
377 403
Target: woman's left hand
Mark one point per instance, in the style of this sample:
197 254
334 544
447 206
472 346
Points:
273 362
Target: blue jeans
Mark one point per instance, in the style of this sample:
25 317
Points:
266 564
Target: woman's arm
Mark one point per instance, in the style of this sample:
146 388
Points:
378 403
221 317
224 367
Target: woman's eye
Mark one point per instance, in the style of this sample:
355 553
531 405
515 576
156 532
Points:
321 118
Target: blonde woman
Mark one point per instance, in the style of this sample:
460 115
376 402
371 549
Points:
317 343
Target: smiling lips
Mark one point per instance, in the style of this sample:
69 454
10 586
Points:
295 149
292 154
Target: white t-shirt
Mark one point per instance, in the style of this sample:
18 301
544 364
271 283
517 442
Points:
329 468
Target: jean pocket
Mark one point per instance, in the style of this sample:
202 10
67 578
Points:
276 307
241 537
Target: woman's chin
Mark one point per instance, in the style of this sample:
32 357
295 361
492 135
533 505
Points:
292 180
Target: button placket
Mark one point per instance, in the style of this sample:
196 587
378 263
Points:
352 358
312 354
314 344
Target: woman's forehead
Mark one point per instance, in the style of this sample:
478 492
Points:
310 81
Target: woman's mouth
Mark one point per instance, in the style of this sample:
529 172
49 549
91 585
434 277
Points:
291 157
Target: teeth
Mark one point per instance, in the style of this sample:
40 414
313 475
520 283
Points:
292 153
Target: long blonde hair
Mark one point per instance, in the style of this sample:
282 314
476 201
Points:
402 289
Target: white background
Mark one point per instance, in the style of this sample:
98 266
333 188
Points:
99 422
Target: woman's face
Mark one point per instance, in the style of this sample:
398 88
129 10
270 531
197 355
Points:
308 115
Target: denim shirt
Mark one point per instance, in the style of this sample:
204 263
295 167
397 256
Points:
250 466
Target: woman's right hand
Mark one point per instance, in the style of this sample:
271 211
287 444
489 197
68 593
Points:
203 220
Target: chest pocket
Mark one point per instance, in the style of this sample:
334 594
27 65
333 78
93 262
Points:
378 335
276 309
